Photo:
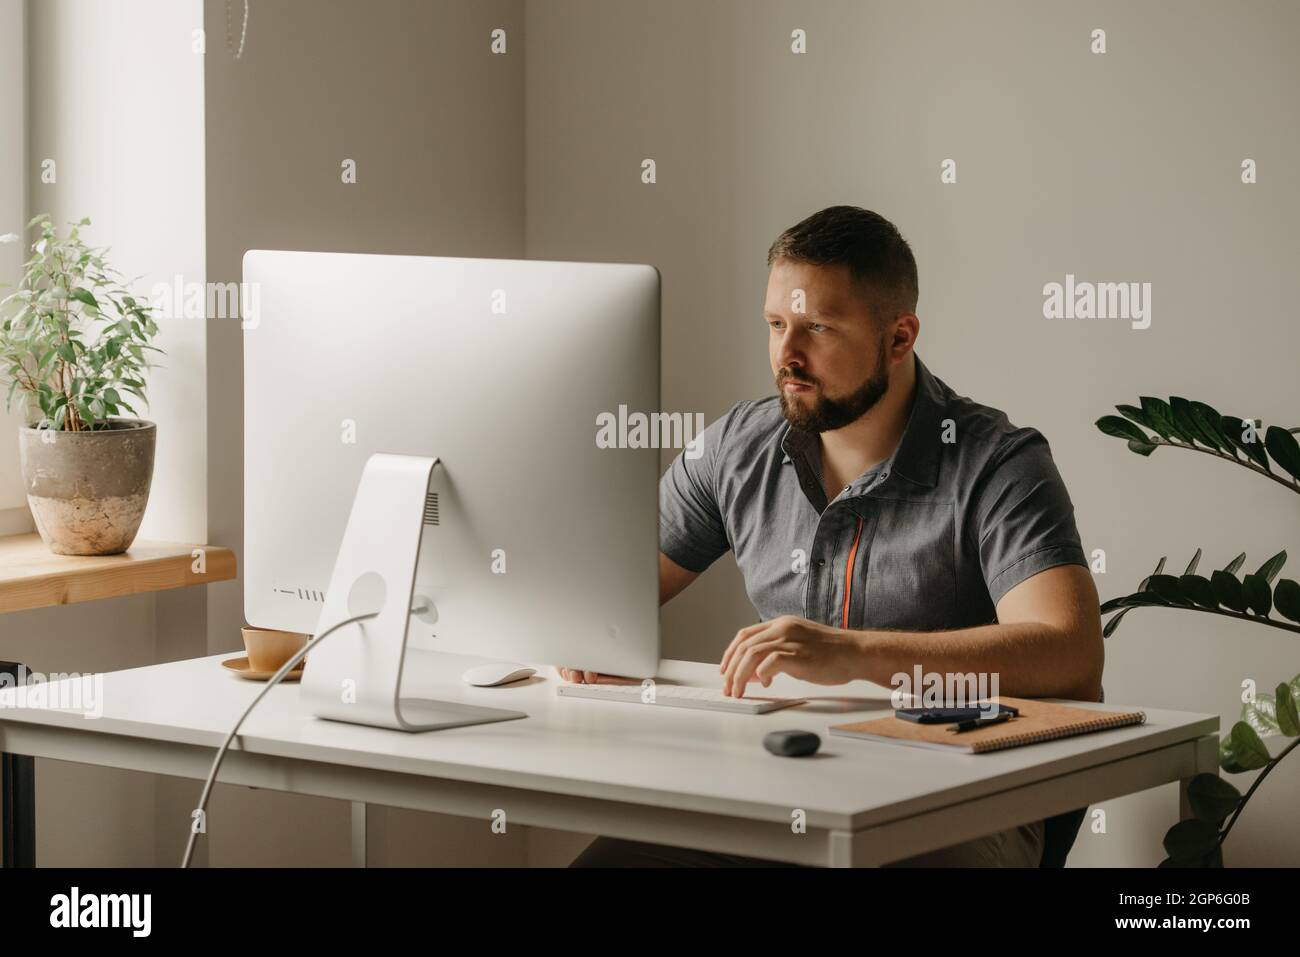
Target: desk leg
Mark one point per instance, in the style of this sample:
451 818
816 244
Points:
1207 762
17 797
841 851
359 811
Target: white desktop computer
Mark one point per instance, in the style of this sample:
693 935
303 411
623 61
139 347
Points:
420 444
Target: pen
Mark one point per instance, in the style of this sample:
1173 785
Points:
980 722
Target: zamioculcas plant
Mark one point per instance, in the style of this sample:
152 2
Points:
1216 804
1250 598
1184 424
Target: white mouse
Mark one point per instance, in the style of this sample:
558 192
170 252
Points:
497 673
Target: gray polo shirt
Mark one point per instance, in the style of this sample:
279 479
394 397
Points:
967 507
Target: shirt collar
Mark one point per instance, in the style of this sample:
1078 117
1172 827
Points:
918 453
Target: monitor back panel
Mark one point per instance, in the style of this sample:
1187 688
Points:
538 544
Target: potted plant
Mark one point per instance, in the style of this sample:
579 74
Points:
74 344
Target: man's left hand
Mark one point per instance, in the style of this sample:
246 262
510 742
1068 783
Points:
801 648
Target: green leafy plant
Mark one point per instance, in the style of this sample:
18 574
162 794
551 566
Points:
73 341
1216 804
1183 424
1252 598
1179 423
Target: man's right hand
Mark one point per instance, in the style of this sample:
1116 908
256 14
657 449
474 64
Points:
580 677
672 579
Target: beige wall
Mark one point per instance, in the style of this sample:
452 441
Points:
1115 167
434 121
13 216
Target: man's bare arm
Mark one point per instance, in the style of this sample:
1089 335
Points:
1046 643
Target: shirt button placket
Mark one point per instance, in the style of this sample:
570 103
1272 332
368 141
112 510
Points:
822 585
817 573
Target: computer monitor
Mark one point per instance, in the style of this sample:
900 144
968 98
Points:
535 543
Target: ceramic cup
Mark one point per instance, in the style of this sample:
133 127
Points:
268 650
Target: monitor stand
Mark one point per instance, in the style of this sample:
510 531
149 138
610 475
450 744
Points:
355 674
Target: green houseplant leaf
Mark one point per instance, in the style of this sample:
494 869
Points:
1235 430
1242 750
1257 594
1282 445
1121 428
1135 414
1191 840
1199 590
1261 714
1169 588
1189 424
1161 417
1288 721
1212 798
71 336
1228 591
1286 598
1211 423
1268 571
1186 419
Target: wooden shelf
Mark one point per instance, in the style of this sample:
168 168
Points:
31 576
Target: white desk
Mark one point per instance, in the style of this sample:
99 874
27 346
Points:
669 775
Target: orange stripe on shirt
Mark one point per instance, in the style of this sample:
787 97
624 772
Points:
848 574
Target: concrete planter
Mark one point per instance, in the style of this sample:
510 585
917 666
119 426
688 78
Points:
88 490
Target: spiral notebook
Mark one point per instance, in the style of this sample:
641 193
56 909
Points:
1038 721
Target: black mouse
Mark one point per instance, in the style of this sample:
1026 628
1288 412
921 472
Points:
792 744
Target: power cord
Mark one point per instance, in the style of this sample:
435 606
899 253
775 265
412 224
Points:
287 667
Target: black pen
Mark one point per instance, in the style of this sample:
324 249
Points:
974 723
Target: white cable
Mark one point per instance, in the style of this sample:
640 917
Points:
243 30
287 667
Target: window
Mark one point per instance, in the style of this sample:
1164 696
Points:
13 217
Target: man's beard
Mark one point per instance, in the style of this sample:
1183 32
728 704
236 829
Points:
821 414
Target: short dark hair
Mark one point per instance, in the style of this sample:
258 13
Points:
879 258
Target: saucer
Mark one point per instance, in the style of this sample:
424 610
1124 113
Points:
240 667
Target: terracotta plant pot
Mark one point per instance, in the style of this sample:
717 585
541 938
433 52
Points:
88 490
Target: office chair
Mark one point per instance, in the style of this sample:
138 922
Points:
1059 833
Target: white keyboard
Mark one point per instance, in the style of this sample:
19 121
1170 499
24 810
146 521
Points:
676 696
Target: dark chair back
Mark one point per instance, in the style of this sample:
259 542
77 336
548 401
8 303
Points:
1059 833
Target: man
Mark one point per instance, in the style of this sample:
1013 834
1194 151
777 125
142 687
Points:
880 520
